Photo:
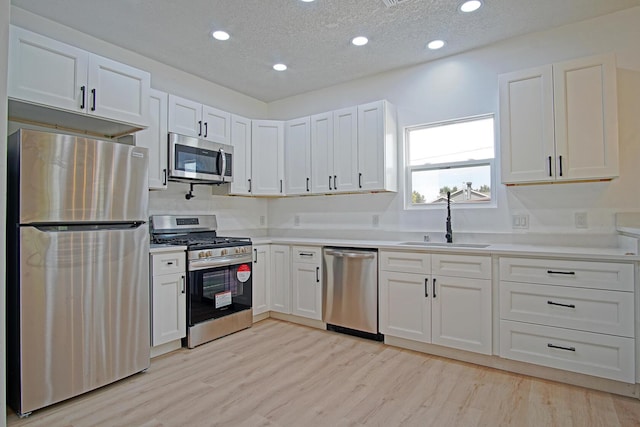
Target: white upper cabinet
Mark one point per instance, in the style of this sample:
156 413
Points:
345 151
321 152
267 158
559 122
154 138
191 118
377 147
46 72
297 149
241 142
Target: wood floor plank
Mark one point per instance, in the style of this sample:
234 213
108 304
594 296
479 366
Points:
278 374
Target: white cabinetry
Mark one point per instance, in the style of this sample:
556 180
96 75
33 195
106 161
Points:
439 299
297 148
241 142
559 122
191 118
377 147
168 297
154 138
267 158
572 315
261 279
46 72
281 279
306 278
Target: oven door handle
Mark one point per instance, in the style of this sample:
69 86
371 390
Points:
220 262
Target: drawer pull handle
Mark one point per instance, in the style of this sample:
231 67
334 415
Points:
561 305
306 254
169 262
559 347
570 273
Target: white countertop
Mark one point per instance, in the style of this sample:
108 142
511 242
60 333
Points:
599 254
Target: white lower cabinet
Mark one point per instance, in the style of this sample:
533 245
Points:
261 279
306 281
168 297
280 279
439 299
569 314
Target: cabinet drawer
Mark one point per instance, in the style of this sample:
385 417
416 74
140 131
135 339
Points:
168 263
308 254
585 274
405 262
584 352
592 310
472 267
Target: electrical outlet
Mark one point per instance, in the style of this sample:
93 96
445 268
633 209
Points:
375 221
580 219
296 221
520 221
262 220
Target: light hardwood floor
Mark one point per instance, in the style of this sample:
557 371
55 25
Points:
281 374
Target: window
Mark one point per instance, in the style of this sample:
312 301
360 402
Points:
455 157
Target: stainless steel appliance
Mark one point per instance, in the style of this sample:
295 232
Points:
199 161
77 266
218 275
350 291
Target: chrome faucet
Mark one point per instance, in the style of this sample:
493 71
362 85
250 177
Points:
449 235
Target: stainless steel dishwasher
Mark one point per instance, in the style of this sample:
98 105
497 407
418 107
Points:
350 291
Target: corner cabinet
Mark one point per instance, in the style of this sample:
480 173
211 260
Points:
154 138
52 74
267 158
559 122
439 299
168 297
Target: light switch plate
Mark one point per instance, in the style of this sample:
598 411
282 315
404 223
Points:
520 221
581 220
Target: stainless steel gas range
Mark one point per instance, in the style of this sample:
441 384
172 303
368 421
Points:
218 275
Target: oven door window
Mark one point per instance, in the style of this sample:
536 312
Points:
217 292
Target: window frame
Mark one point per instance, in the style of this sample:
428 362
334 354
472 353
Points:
410 169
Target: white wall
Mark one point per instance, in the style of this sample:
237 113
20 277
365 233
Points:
4 38
466 85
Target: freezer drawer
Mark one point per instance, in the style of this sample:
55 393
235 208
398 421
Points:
350 291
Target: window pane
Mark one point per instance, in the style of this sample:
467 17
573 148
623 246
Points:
468 184
454 142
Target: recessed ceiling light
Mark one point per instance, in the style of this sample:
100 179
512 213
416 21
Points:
307 1
435 44
359 41
220 35
279 67
470 6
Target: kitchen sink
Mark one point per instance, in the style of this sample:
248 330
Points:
445 245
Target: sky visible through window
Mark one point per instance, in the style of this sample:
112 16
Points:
451 143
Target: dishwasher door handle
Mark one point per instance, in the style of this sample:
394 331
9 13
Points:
348 254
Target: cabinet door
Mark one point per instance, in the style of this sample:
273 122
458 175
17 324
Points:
260 280
185 116
281 279
345 150
154 138
586 118
118 92
267 157
321 152
47 72
405 305
241 141
297 148
216 125
307 290
462 313
527 126
169 308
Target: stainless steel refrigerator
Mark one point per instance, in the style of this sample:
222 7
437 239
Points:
77 266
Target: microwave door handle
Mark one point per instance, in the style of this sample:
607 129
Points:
224 164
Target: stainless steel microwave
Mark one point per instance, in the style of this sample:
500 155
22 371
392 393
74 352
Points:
199 160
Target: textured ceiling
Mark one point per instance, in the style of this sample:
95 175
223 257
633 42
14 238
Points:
313 39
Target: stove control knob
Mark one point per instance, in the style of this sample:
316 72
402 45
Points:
200 254
209 253
224 252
